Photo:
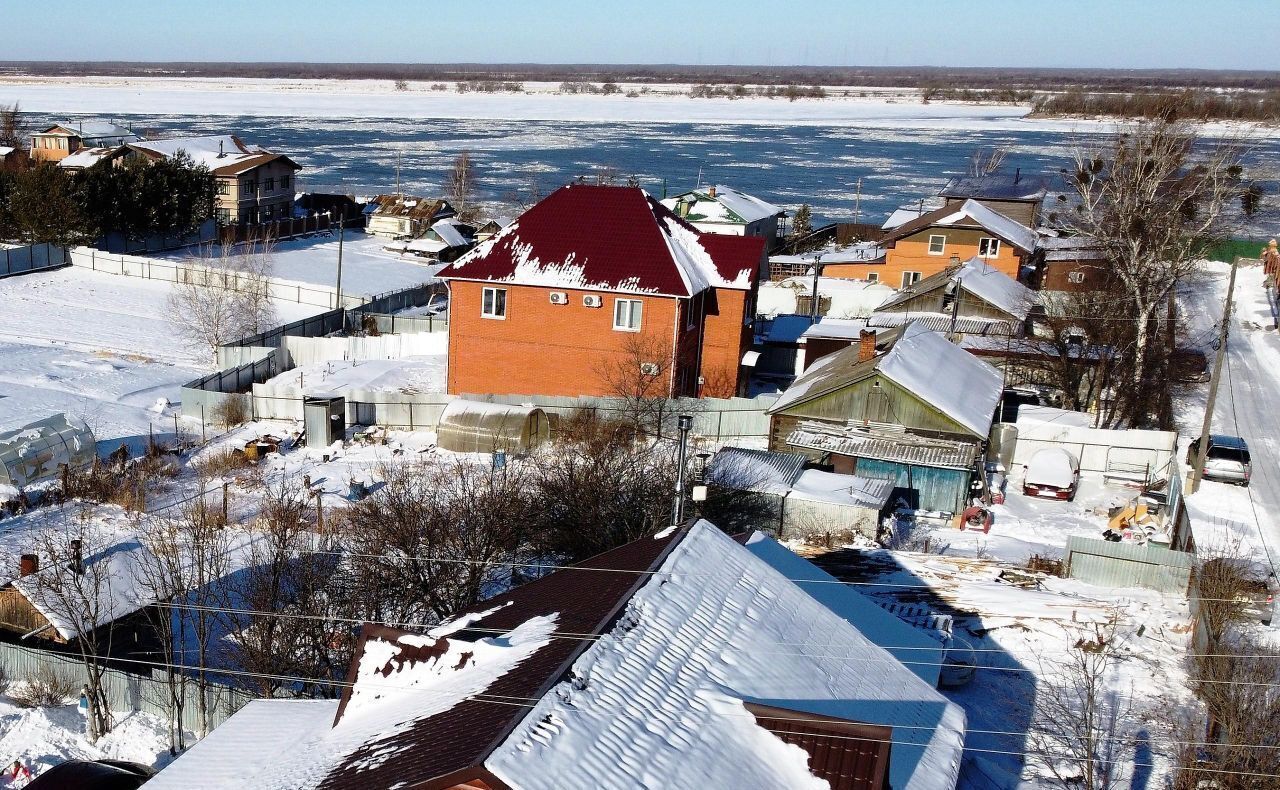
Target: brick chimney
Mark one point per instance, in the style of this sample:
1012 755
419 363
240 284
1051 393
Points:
29 564
866 345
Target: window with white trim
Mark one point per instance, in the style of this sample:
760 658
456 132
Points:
1075 277
910 278
988 248
937 244
873 277
627 314
494 303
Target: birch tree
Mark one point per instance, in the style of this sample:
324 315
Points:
224 294
1153 198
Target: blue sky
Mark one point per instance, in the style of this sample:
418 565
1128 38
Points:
1083 33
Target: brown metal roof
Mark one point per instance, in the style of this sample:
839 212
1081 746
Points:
850 755
410 206
451 747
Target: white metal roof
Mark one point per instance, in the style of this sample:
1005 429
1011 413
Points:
727 205
952 380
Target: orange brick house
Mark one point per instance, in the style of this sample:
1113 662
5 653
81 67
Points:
931 242
598 286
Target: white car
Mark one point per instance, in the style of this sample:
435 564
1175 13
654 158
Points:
1052 473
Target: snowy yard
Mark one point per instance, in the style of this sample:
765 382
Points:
43 737
366 267
96 346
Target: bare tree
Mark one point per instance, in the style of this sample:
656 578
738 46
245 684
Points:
640 376
461 183
12 130
84 590
437 537
1080 723
224 295
1152 198
985 160
526 197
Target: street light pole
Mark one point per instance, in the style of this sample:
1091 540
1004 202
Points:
684 423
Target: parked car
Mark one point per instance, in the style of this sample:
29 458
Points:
1053 473
1227 459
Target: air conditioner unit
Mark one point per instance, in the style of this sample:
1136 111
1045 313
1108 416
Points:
592 301
648 368
559 297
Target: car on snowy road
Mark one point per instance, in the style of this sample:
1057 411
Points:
1227 460
1053 473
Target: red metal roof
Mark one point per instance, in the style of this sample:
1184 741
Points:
607 238
735 256
451 747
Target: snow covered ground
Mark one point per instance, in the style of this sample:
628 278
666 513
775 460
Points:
97 346
366 267
43 737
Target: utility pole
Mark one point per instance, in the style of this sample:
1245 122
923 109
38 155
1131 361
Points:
684 422
1197 471
813 307
342 226
398 193
857 203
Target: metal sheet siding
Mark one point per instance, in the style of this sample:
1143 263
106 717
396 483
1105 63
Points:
939 489
1108 564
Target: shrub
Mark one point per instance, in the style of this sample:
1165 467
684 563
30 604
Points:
221 463
231 411
42 689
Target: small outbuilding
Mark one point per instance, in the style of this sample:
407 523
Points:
474 427
37 451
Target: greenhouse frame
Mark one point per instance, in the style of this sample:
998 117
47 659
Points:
474 427
37 451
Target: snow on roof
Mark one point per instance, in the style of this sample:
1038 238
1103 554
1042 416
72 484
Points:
836 329
764 472
997 288
223 154
449 233
114 578
726 205
92 130
904 214
996 186
1030 415
952 380
5 150
970 212
662 694
611 239
858 252
919 650
85 157
815 485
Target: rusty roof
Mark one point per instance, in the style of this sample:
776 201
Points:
411 206
882 444
450 747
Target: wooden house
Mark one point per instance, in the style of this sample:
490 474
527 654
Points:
404 216
1016 197
724 210
64 139
922 384
972 298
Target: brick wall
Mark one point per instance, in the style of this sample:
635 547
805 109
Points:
726 338
548 349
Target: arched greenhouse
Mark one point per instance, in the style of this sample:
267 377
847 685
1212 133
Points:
474 427
37 451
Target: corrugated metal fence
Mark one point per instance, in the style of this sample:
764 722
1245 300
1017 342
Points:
126 691
1108 564
37 257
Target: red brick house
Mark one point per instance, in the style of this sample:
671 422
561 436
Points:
597 284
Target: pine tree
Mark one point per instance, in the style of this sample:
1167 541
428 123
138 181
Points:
802 223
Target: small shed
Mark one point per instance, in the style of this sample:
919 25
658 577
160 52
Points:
35 452
835 504
474 427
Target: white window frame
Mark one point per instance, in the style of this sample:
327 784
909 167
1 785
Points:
489 306
910 278
993 247
1076 277
873 277
942 248
635 311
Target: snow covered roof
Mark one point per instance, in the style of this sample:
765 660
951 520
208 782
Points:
450 232
836 329
905 213
224 155
92 130
882 445
978 277
5 150
689 628
969 214
764 472
919 650
408 206
815 485
952 380
920 361
941 322
610 239
722 204
85 157
115 582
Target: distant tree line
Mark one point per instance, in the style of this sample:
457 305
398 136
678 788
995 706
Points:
1188 104
41 202
1043 79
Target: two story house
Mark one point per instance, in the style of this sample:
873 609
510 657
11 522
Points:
62 140
595 281
928 244
253 185
722 209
